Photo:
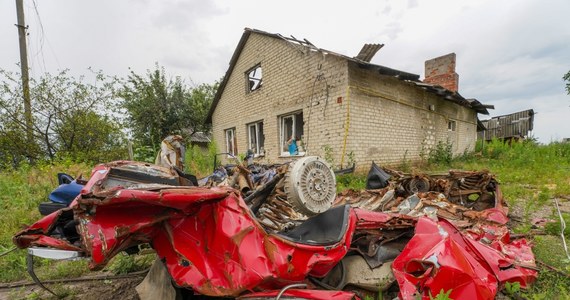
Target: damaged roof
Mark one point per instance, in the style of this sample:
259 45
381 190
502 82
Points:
361 61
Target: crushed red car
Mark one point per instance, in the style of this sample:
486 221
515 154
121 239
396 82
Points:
286 235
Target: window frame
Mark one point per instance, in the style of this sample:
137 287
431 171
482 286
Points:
451 125
283 139
258 150
231 150
248 77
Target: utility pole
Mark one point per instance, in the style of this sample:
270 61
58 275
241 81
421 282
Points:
24 65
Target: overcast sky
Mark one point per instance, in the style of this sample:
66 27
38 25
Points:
511 54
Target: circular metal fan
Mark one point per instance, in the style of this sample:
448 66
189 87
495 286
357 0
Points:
310 185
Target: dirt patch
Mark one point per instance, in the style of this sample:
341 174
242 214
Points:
521 214
116 289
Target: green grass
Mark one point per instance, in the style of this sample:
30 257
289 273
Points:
350 181
20 193
200 162
123 263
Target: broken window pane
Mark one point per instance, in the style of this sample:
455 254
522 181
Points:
254 80
291 127
256 138
231 141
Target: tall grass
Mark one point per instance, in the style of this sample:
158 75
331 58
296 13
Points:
200 161
523 164
20 193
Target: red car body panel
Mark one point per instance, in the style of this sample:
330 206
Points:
439 257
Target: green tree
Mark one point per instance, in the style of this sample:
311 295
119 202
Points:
88 136
67 111
157 107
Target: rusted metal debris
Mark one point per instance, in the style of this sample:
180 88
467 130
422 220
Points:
459 196
470 201
264 188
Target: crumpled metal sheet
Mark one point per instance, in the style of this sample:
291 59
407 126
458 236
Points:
38 234
461 241
463 197
262 187
207 237
457 186
222 250
439 257
212 243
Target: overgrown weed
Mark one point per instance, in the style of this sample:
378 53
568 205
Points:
200 161
355 182
21 191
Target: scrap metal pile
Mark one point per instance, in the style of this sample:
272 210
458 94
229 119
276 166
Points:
281 196
460 241
260 231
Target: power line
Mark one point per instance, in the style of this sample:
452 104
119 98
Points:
41 40
41 36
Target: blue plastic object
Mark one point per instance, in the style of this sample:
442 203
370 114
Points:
65 193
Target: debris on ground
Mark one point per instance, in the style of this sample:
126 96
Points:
283 230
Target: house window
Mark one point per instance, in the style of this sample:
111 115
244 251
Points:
256 138
231 141
451 125
253 78
291 126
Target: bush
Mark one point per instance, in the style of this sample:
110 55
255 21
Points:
441 154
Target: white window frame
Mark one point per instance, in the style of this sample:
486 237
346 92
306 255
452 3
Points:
231 141
282 136
258 145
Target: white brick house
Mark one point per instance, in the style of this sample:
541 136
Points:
278 87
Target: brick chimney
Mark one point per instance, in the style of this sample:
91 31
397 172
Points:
441 71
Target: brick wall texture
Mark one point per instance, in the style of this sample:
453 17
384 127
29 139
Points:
355 113
441 71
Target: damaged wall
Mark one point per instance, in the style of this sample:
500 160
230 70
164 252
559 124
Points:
380 117
392 119
293 77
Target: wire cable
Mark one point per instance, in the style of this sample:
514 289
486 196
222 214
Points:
562 227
